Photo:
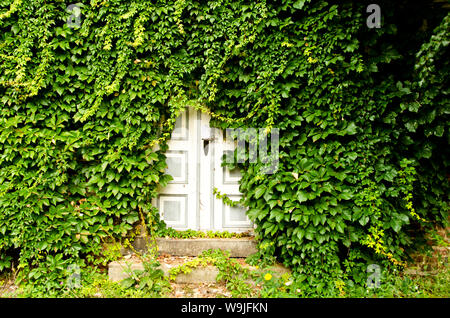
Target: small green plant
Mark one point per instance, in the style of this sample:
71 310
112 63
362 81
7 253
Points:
111 252
226 199
264 256
151 280
97 284
5 262
437 239
273 286
50 278
231 272
398 284
188 234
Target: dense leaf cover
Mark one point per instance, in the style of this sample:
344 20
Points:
362 113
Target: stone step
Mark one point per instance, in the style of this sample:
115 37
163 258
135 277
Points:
119 270
238 247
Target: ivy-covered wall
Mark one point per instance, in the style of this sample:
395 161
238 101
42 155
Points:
363 119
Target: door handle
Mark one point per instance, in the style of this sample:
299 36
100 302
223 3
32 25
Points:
206 142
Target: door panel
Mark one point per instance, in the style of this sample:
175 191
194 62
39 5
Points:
227 218
177 166
177 202
174 209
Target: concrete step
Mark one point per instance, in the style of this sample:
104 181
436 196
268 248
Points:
238 247
119 270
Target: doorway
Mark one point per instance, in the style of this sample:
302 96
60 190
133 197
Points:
194 161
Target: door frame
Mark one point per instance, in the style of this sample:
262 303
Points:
203 210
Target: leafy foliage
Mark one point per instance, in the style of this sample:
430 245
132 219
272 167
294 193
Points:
151 279
84 108
230 271
187 234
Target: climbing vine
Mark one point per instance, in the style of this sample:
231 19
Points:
87 110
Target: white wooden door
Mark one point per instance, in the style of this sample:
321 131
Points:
177 202
194 161
233 219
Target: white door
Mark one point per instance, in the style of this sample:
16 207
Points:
194 161
228 218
